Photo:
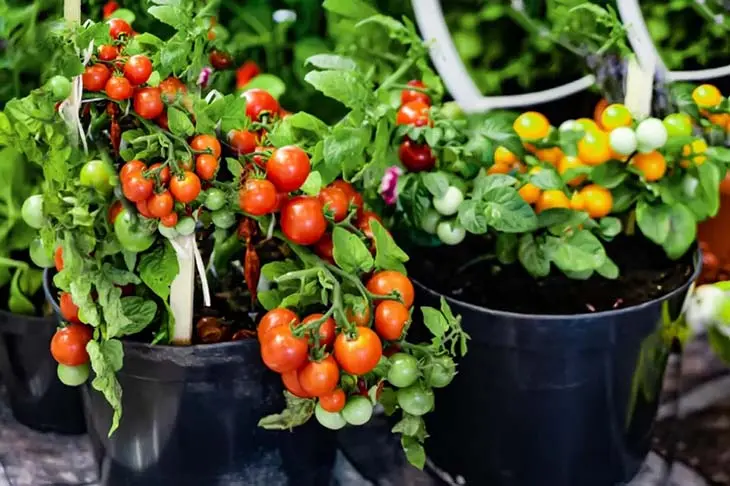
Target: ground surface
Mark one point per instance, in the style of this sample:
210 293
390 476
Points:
692 442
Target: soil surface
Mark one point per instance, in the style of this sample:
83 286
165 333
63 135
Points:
645 274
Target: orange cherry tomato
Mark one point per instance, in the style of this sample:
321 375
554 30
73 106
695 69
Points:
387 281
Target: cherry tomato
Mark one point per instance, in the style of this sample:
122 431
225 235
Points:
258 102
448 204
32 211
40 255
73 375
136 187
148 103
330 420
99 175
119 88
169 221
68 345
143 209
69 310
131 167
260 160
291 383
416 157
403 371
358 355
358 313
334 401
114 211
109 8
363 224
160 205
170 87
131 236
108 52
58 259
326 329
215 199
413 113
281 351
187 189
385 282
220 60
163 121
440 372
275 318
357 411
242 141
257 197
206 166
246 73
319 378
208 144
163 174
335 202
95 77
138 69
354 197
415 400
303 221
118 27
288 168
390 319
532 125
324 248
408 95
281 199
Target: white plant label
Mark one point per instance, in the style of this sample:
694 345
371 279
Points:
639 87
182 290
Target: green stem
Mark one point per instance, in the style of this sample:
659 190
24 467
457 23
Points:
297 275
9 262
393 78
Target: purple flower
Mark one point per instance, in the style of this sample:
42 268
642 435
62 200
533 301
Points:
389 185
204 76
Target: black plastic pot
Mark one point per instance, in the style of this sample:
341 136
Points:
190 418
37 398
559 400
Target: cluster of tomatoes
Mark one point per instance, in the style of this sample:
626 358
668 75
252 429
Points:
315 355
68 346
708 99
414 111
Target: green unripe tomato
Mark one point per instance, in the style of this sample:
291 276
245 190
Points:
678 125
403 370
60 87
332 421
73 375
223 219
41 256
651 134
430 221
416 399
130 234
215 199
98 174
32 211
623 140
450 232
358 410
449 203
441 372
186 226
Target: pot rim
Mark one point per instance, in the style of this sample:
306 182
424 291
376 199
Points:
697 262
161 348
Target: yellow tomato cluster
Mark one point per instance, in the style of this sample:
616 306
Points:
708 99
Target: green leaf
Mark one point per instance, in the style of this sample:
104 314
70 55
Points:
276 269
353 9
472 217
179 122
682 231
297 412
170 15
506 248
500 132
609 226
609 175
332 62
124 14
344 86
409 425
414 451
719 154
579 252
313 184
608 269
654 221
436 182
560 217
105 361
506 211
270 299
547 179
343 153
483 183
532 256
234 114
350 253
18 303
434 321
141 312
268 82
389 255
158 268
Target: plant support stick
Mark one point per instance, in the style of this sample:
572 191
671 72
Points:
182 290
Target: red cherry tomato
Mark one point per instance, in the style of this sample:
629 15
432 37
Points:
260 160
258 102
206 166
170 220
131 167
354 197
164 174
288 168
242 141
143 209
209 143
148 103
413 113
416 157
275 318
185 190
69 310
118 27
257 197
138 69
385 282
303 221
324 247
220 60
390 319
114 211
358 355
136 187
160 205
246 73
363 223
326 329
282 352
68 345
95 77
290 380
319 378
110 8
58 259
119 88
333 402
170 87
335 201
108 53
408 95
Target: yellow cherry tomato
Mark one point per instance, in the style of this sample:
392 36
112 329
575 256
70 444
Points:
550 155
594 148
707 96
694 153
652 165
577 202
598 110
498 168
552 199
598 200
587 125
570 162
614 116
531 125
530 193
504 156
